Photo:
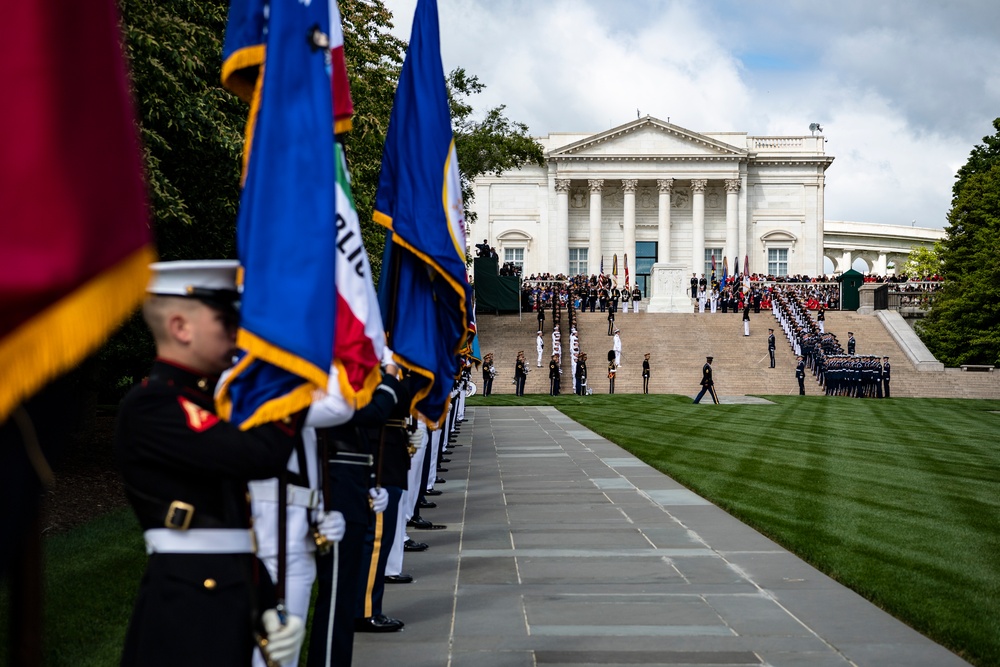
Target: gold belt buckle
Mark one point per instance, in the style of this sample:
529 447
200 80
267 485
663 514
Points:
179 515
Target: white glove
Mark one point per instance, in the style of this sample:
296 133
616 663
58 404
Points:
417 439
380 499
332 525
283 641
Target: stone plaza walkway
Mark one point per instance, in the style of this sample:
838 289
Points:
562 549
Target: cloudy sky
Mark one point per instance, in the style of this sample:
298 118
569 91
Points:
903 89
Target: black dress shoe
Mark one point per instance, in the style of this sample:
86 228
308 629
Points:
438 480
419 522
433 492
410 545
440 469
378 623
426 505
398 579
445 460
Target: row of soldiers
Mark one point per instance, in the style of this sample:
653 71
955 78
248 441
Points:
839 372
855 376
227 582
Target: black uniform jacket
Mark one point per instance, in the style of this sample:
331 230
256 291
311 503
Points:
194 609
706 375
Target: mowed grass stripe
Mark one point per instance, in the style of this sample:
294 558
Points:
898 499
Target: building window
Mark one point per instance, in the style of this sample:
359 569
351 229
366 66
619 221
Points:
777 261
515 255
577 261
717 254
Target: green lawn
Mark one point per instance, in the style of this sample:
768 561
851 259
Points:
897 499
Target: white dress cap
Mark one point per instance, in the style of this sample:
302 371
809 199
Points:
202 278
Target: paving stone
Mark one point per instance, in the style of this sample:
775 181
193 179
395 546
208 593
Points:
563 550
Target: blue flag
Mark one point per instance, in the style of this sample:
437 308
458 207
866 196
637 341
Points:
286 228
424 287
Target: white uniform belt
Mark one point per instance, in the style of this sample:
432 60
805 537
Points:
298 496
199 541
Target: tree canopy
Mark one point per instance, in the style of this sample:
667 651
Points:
964 325
192 135
923 262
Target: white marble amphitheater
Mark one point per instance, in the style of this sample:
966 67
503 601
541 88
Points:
670 199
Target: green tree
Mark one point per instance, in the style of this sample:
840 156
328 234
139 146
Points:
923 261
374 59
192 137
964 324
191 127
491 145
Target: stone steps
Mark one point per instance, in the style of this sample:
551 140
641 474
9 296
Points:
678 344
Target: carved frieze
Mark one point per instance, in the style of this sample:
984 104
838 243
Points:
682 198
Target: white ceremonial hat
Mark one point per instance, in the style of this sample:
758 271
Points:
211 280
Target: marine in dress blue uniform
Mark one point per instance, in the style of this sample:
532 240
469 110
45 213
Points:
185 474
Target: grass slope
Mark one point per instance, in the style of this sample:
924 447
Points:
899 500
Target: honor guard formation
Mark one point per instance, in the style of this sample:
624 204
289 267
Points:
240 524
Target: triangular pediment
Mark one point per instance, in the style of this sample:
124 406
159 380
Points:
647 138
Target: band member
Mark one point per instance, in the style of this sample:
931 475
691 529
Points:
612 370
520 374
489 372
581 375
554 376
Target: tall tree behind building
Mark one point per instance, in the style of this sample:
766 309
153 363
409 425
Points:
964 325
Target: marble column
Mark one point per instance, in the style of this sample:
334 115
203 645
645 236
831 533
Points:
559 236
594 249
628 227
732 217
666 186
698 225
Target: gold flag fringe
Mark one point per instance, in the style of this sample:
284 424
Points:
55 340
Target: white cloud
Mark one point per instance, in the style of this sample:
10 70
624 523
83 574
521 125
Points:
903 90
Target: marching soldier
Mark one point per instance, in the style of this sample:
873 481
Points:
185 473
707 384
770 345
581 375
539 347
645 374
611 321
851 343
800 374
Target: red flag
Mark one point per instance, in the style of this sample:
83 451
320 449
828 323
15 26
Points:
343 105
73 218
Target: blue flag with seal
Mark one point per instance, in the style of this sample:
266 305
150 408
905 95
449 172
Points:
279 61
424 288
